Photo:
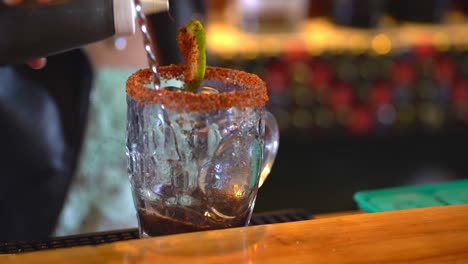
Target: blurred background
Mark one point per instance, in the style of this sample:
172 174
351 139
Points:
368 94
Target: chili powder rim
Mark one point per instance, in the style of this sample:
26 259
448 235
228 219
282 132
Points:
255 94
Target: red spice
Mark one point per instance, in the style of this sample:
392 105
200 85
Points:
255 94
189 50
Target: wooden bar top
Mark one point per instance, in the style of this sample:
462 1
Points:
428 235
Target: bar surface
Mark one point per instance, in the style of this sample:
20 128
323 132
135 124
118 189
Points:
427 235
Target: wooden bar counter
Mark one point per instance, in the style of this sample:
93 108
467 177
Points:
428 235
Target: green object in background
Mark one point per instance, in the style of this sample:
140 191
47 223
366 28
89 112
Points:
454 195
417 196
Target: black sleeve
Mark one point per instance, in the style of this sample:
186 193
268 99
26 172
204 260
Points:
43 116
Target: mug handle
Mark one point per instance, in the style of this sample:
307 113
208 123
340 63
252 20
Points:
270 148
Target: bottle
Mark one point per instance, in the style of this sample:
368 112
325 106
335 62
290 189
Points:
31 30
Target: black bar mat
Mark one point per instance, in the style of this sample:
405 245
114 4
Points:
127 234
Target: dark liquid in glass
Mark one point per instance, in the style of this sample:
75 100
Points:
186 220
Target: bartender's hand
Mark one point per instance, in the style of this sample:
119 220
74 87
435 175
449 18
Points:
37 63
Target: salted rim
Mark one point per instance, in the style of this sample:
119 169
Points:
255 94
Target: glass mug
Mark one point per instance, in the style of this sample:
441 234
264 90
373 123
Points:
196 160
